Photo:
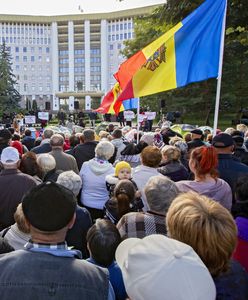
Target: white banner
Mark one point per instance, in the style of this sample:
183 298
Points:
30 119
43 115
151 115
129 115
141 118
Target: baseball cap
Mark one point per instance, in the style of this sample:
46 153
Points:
9 155
157 266
222 140
49 206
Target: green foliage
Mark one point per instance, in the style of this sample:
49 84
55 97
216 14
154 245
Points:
9 96
200 97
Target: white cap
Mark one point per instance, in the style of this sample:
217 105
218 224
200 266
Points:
157 267
9 155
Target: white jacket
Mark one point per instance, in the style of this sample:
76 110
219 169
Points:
94 192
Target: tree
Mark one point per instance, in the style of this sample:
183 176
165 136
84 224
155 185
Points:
34 105
9 96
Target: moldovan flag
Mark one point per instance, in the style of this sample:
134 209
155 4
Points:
108 102
187 53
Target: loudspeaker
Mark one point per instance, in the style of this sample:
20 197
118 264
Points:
162 103
47 105
76 105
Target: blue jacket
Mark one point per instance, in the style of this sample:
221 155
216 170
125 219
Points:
36 275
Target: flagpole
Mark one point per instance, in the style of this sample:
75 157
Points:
217 101
138 113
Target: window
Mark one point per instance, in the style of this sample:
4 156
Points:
32 49
25 59
129 35
109 38
25 87
32 68
24 49
129 25
113 37
125 26
121 36
47 49
32 58
119 46
79 60
39 58
111 47
117 37
47 59
113 27
17 67
121 26
117 27
109 28
17 58
40 49
125 36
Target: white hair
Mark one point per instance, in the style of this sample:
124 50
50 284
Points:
46 162
104 150
71 181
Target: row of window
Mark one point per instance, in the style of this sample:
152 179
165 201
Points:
26 30
34 41
33 77
32 68
117 27
93 51
33 88
111 46
120 37
32 58
32 49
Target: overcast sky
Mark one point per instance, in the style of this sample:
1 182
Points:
63 7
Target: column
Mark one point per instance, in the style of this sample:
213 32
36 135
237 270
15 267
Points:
87 54
55 65
71 63
104 56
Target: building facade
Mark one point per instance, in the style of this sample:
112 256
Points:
67 61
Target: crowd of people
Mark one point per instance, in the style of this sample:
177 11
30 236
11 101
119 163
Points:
121 214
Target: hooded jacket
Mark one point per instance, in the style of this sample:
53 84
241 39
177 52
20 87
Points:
94 192
218 190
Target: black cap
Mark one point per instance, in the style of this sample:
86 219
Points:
222 140
197 131
49 206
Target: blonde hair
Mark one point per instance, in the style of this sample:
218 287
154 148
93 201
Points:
242 127
171 152
21 220
206 226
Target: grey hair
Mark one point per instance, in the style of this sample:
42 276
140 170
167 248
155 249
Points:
104 150
57 140
160 191
46 162
47 133
70 180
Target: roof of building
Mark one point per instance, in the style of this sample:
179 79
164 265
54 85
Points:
96 16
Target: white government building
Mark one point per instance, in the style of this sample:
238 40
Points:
68 59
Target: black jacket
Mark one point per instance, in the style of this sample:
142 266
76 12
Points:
84 152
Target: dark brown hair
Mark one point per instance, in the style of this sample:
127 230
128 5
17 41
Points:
29 165
124 194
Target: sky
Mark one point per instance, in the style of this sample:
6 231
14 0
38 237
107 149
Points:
66 7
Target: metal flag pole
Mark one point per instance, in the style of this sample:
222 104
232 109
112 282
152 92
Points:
217 101
138 113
